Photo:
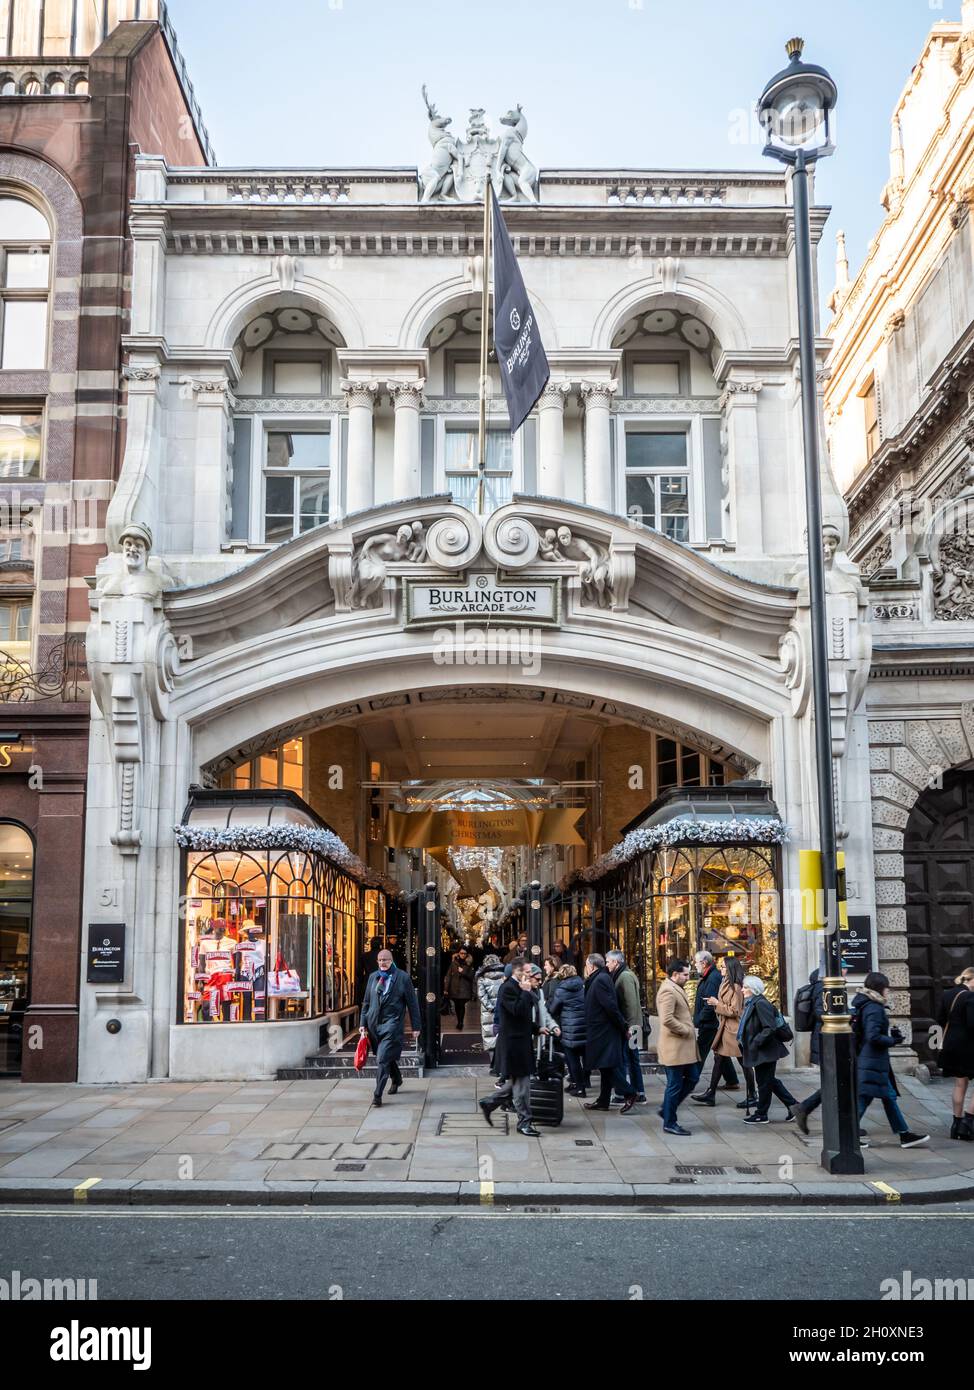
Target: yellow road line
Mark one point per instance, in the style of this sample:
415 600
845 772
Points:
486 1194
891 1193
81 1191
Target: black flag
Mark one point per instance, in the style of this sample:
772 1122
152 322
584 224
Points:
520 352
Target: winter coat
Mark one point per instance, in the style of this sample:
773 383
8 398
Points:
606 1033
627 993
568 1011
708 987
956 1017
489 979
874 1071
677 1042
384 1016
818 1008
548 989
514 1056
459 980
728 1009
758 1039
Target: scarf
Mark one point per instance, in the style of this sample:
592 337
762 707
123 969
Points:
385 979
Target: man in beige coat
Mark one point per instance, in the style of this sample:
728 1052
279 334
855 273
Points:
677 1044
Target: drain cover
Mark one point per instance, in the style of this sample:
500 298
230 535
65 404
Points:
748 1172
585 1143
349 1167
700 1170
691 1180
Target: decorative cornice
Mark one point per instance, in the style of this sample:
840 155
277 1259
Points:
290 405
668 405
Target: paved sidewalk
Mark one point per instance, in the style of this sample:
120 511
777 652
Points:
319 1141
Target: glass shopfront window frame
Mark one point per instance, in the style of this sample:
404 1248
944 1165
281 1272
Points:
15 976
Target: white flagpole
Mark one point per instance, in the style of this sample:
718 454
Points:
484 348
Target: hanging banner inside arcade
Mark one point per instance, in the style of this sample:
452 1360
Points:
482 829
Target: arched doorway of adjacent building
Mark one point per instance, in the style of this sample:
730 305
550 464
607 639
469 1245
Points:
16 905
938 851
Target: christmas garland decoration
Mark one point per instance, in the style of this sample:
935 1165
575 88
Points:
305 839
683 830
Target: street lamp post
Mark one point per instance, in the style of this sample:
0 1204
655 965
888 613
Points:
795 111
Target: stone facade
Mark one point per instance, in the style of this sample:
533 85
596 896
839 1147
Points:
900 416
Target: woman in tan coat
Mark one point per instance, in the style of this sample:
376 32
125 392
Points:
728 1005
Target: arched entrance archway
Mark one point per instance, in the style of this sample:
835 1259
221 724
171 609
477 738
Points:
938 855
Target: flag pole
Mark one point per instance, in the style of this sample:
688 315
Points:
484 347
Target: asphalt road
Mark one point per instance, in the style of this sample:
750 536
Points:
451 1255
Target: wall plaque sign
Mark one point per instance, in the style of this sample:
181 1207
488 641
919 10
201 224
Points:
482 598
106 953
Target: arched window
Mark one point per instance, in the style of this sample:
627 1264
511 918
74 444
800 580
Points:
25 273
16 902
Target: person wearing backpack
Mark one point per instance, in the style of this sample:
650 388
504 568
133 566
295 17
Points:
809 1007
762 1035
874 1073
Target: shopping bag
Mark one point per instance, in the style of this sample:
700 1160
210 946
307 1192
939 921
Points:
283 980
361 1053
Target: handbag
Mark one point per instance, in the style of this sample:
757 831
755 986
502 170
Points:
361 1053
950 1014
282 979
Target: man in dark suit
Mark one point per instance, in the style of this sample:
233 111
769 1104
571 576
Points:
606 1036
389 995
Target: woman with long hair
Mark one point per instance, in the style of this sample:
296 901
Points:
728 1005
956 1017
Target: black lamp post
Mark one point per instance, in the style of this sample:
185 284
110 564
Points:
795 111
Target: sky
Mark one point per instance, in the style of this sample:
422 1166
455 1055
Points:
643 84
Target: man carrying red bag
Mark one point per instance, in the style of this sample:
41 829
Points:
389 995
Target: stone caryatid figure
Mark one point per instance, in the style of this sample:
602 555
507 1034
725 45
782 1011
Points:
370 565
132 658
515 176
439 178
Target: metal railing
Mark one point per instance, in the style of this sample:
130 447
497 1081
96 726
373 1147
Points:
60 677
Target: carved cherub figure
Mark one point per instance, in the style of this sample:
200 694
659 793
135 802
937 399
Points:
377 553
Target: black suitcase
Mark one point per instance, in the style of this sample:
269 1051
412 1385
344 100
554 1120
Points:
547 1087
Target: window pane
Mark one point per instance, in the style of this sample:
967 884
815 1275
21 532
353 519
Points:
298 450
20 221
461 450
674 518
641 498
241 777
652 450
20 446
27 270
6 621
314 502
23 622
24 333
279 509
656 378
297 378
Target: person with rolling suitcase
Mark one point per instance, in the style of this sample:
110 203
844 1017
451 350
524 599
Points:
514 1055
547 1085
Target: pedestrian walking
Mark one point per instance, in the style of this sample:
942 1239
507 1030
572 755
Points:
389 996
956 1017
806 1107
551 965
568 1010
727 1006
488 981
519 949
762 1034
677 1044
708 987
606 1037
514 1056
874 1070
459 984
630 1005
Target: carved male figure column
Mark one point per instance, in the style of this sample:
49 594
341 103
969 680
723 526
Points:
407 398
360 400
551 452
597 398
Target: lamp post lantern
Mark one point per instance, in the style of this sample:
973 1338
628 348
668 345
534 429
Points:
795 110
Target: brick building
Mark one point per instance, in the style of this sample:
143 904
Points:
84 88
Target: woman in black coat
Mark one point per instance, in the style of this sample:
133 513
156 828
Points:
762 1050
956 1018
567 1007
874 1072
458 985
606 1036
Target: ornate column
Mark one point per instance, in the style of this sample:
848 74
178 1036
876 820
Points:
597 398
407 398
551 452
211 475
745 488
360 483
